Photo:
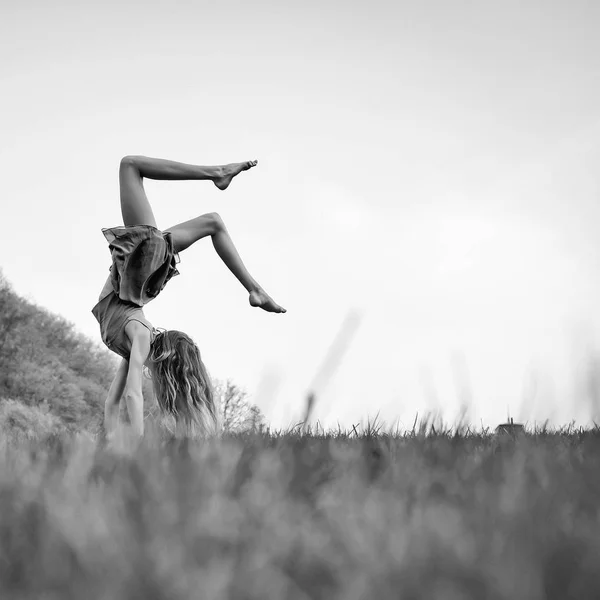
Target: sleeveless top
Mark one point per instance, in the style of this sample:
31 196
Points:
143 261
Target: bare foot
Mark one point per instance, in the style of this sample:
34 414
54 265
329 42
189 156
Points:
261 299
230 171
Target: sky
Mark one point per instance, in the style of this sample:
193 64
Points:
428 189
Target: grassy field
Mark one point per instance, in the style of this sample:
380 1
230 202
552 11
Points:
447 515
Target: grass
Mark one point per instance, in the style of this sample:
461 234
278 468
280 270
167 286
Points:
433 514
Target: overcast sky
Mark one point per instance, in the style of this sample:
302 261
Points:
429 166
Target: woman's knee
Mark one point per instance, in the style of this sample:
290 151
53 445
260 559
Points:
216 221
127 162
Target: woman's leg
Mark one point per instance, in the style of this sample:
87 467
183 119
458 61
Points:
211 224
136 209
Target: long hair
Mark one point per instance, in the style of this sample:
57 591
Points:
181 383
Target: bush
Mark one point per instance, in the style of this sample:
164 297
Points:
30 422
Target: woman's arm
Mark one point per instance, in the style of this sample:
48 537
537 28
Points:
140 349
111 406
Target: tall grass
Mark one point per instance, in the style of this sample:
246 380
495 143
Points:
297 515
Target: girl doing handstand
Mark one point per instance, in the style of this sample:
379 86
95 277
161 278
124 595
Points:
143 261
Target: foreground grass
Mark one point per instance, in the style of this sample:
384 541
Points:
302 516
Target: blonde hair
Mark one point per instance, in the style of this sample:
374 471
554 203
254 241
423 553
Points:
181 383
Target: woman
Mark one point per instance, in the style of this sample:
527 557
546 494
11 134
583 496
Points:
143 261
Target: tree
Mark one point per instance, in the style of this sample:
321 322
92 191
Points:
237 413
46 363
12 316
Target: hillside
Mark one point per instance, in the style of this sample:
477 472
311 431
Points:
52 374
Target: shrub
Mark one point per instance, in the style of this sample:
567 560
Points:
30 422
